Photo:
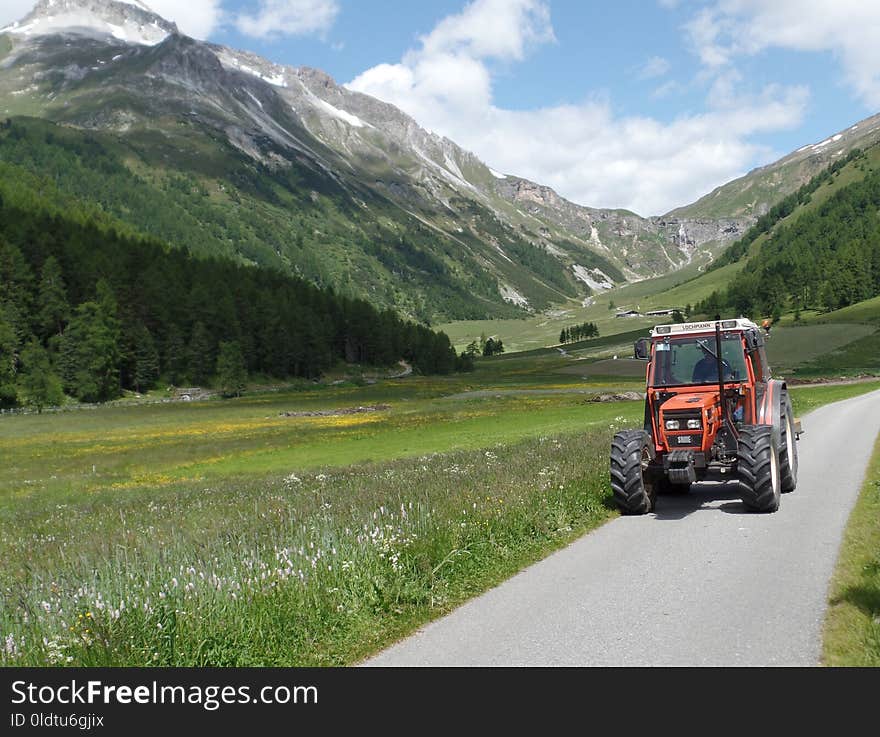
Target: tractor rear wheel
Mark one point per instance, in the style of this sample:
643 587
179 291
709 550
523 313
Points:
788 457
758 468
631 482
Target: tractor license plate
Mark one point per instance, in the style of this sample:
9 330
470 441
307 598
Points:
685 440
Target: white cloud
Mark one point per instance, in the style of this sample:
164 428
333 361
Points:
501 29
584 151
276 18
668 88
656 66
849 29
196 18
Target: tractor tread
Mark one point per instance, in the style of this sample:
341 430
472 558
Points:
631 495
788 467
755 468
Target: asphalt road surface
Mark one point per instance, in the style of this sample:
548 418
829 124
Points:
700 582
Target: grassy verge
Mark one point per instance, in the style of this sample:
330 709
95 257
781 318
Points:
852 624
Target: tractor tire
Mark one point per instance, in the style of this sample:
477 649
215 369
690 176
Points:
631 484
758 468
788 455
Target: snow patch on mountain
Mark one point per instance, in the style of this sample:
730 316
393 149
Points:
455 180
139 26
497 174
593 278
346 117
509 294
251 95
137 4
452 166
275 76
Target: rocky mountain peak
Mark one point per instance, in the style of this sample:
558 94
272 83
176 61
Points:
316 77
131 21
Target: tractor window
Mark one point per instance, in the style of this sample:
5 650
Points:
691 360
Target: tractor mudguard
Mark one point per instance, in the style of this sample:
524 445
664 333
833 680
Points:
769 411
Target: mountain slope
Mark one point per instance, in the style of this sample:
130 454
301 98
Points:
824 254
348 190
754 194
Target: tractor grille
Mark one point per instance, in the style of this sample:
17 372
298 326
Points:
683 437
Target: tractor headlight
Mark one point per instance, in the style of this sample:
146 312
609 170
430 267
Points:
672 424
694 424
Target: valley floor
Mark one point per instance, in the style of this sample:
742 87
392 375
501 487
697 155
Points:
308 527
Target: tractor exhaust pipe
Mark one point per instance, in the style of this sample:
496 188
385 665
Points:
727 436
720 369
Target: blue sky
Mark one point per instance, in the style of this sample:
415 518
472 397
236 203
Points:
601 50
645 104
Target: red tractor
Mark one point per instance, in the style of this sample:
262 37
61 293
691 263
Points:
711 412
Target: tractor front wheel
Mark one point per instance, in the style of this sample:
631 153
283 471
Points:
758 468
631 482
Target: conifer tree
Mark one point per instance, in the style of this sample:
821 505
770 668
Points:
201 363
8 359
38 385
90 351
146 359
52 300
175 363
231 370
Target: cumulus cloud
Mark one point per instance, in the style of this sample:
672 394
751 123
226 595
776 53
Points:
196 18
275 18
501 29
585 151
849 29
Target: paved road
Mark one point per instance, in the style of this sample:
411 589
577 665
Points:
701 582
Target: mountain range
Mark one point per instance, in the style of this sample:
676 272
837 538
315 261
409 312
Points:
229 154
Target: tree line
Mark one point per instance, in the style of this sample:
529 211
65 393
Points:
578 332
88 311
484 346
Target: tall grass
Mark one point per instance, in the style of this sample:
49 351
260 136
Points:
289 569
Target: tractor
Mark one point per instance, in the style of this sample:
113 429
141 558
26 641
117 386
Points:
712 412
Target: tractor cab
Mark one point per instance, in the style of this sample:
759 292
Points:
684 386
708 392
